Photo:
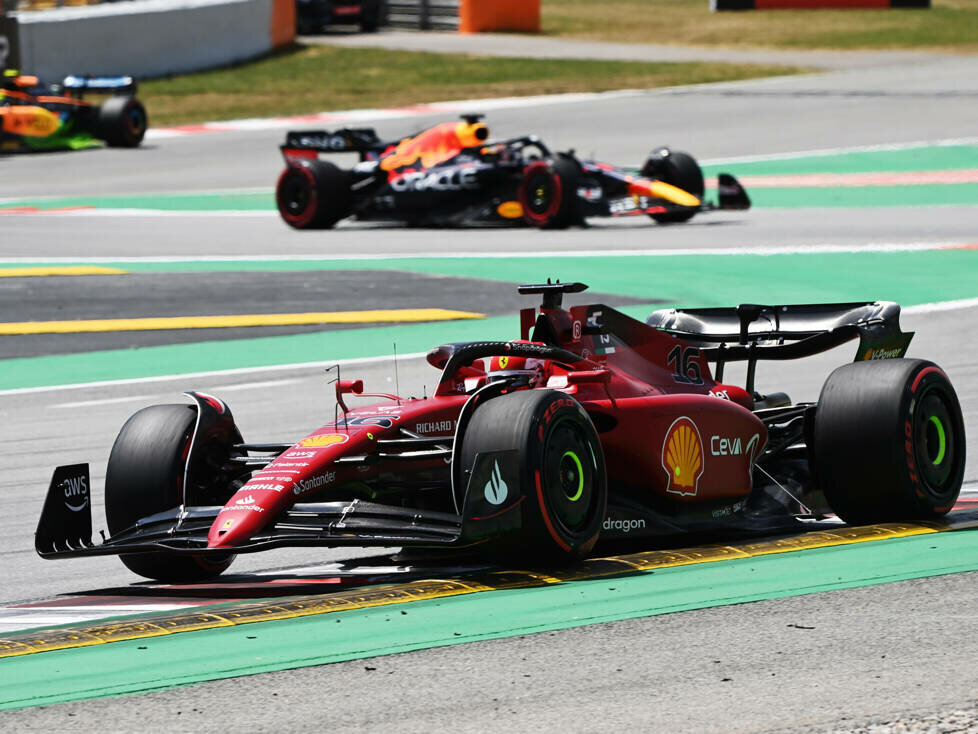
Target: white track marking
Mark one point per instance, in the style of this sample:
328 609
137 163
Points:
918 309
215 388
105 401
213 373
813 249
255 385
942 306
820 152
96 212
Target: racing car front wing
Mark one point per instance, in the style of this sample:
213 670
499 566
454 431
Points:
65 527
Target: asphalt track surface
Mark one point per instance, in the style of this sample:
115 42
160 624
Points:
809 663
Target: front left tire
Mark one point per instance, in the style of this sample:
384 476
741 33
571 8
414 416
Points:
679 169
145 476
562 472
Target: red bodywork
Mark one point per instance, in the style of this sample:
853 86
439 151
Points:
672 437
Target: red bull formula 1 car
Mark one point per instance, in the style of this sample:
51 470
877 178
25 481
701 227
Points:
591 425
451 174
36 117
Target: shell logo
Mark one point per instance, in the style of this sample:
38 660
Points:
323 440
682 456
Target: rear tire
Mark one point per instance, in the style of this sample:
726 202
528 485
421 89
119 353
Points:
548 193
369 17
313 194
889 442
679 169
122 122
562 473
145 476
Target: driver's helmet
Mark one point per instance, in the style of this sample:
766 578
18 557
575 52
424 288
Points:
505 367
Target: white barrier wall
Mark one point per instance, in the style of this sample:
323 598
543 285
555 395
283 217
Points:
143 38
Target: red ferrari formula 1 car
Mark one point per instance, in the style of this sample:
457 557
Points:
451 174
592 424
36 117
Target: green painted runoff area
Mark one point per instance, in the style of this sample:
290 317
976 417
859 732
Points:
191 657
908 278
924 158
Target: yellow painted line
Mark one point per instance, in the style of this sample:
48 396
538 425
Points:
302 606
62 270
236 321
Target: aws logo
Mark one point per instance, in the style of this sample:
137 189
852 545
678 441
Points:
682 457
76 493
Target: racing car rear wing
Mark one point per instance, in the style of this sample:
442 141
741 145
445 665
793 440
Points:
308 143
100 84
753 332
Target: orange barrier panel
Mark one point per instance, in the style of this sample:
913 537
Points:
477 16
281 28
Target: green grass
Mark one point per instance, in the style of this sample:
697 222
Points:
947 25
303 80
317 78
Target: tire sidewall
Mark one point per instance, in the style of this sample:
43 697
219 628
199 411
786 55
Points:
932 497
301 175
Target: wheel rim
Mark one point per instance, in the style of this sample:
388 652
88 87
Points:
571 476
540 194
935 442
568 476
136 122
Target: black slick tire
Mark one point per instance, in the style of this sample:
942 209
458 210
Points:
562 472
679 169
313 194
145 476
122 122
889 442
548 193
